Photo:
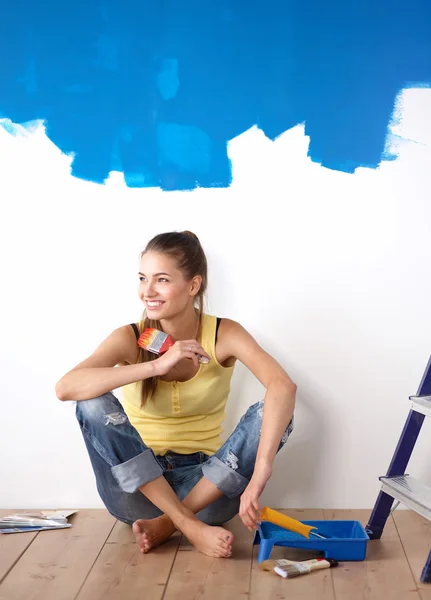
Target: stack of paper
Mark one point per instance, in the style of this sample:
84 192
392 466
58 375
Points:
35 521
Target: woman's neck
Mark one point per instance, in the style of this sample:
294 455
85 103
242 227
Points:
182 327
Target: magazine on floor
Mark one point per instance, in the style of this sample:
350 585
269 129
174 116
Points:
35 521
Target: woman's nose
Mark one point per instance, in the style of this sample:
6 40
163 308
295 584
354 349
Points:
149 289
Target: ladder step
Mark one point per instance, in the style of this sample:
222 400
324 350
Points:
421 404
410 492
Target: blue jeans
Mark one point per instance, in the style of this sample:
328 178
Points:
122 462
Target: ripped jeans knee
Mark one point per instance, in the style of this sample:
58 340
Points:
115 418
108 432
231 467
104 409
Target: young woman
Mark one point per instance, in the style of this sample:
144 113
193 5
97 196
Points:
158 459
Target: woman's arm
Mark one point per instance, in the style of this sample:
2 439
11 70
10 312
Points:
235 341
96 375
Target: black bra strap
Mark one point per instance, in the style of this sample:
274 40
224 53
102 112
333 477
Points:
135 329
217 326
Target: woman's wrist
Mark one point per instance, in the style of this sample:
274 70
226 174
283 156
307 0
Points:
263 468
150 369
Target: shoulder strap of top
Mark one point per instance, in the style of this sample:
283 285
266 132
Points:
135 329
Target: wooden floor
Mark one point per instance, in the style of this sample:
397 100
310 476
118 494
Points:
98 558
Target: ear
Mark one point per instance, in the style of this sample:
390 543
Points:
195 285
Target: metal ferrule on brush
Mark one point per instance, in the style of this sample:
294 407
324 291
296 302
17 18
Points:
157 343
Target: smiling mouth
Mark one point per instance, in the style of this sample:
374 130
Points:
153 303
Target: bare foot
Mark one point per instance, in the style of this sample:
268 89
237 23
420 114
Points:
150 533
212 541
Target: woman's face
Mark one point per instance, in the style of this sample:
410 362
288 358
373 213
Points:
163 288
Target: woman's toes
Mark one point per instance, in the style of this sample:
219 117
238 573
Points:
228 538
225 543
136 529
224 550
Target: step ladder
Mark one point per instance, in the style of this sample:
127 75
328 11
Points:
399 486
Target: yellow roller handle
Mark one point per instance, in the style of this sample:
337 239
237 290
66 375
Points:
273 516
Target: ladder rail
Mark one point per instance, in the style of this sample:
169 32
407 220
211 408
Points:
397 467
424 388
400 460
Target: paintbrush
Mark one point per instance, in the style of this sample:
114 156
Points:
159 342
155 341
303 568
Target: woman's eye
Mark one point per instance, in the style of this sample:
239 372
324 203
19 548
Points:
161 279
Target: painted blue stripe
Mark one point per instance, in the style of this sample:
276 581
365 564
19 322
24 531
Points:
156 89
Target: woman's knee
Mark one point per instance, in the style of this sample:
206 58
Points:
254 419
102 409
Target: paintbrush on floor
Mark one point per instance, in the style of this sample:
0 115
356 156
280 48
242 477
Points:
304 567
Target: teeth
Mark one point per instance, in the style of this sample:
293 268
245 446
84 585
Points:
154 303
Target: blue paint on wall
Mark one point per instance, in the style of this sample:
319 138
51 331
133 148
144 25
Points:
156 89
167 79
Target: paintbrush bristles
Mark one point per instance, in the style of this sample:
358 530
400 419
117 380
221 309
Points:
155 341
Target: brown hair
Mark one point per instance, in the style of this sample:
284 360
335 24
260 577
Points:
185 248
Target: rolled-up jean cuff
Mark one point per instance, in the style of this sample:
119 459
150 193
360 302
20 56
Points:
137 471
228 481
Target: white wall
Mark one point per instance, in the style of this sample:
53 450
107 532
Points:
329 271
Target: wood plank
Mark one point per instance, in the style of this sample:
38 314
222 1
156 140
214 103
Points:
195 575
58 561
12 546
415 534
384 574
266 585
122 571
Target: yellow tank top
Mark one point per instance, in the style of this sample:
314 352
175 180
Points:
184 416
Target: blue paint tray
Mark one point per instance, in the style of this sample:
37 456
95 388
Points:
346 540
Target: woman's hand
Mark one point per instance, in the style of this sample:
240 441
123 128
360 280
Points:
182 349
249 509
